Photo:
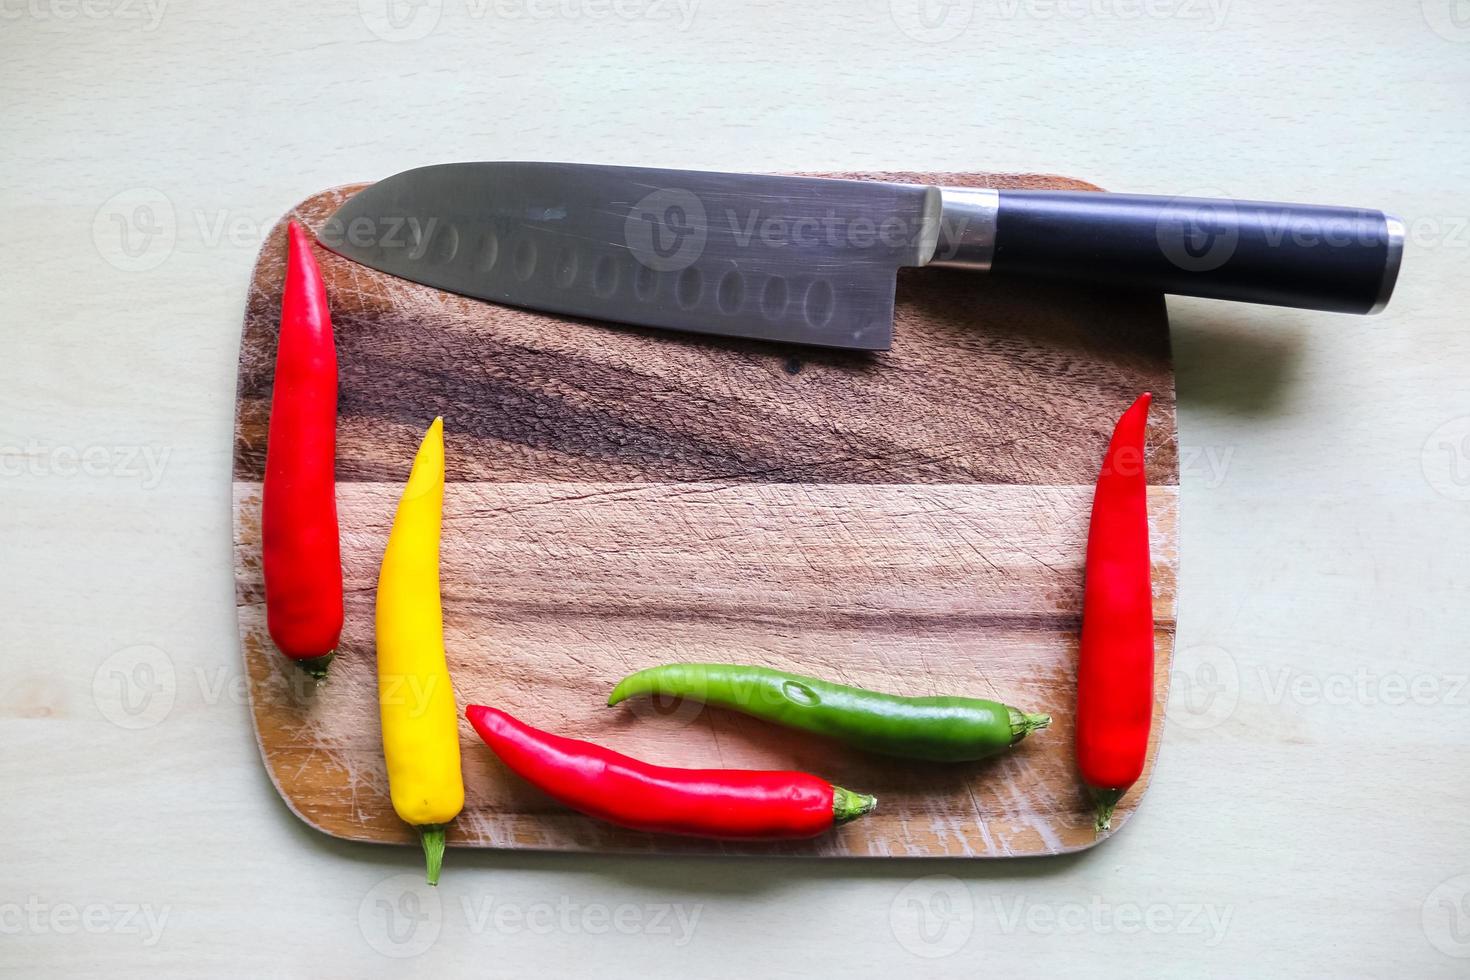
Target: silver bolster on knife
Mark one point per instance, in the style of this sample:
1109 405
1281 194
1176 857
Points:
967 221
1395 258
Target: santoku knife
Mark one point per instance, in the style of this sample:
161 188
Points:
812 260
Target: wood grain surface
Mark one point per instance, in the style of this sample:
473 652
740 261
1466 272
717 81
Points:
912 521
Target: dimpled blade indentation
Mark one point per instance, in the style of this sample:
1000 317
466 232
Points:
645 284
444 245
819 304
566 266
525 259
773 298
691 284
605 276
731 293
487 251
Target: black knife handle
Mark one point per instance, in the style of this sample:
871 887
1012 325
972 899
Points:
1343 260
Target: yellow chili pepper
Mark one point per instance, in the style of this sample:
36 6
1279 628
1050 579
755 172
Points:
415 696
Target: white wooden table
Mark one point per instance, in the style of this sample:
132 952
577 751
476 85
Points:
1308 814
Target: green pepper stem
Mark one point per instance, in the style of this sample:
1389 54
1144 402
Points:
1023 724
847 805
1107 799
317 666
432 837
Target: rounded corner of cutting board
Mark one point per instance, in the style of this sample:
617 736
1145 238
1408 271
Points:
1006 334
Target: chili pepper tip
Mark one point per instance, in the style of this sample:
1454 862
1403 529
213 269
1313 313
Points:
317 666
1023 723
1107 799
432 838
847 805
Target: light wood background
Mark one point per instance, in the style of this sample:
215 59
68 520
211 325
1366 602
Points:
912 521
1322 528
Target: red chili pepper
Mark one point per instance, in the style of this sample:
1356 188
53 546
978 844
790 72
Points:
1115 671
729 803
301 553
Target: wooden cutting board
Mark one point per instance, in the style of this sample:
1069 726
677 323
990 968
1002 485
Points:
911 521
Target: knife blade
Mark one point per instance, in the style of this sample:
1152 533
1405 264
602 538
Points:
814 260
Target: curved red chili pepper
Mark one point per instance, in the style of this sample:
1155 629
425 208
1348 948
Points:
729 803
1115 670
301 553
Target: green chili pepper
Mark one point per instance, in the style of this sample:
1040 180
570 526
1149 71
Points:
940 729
